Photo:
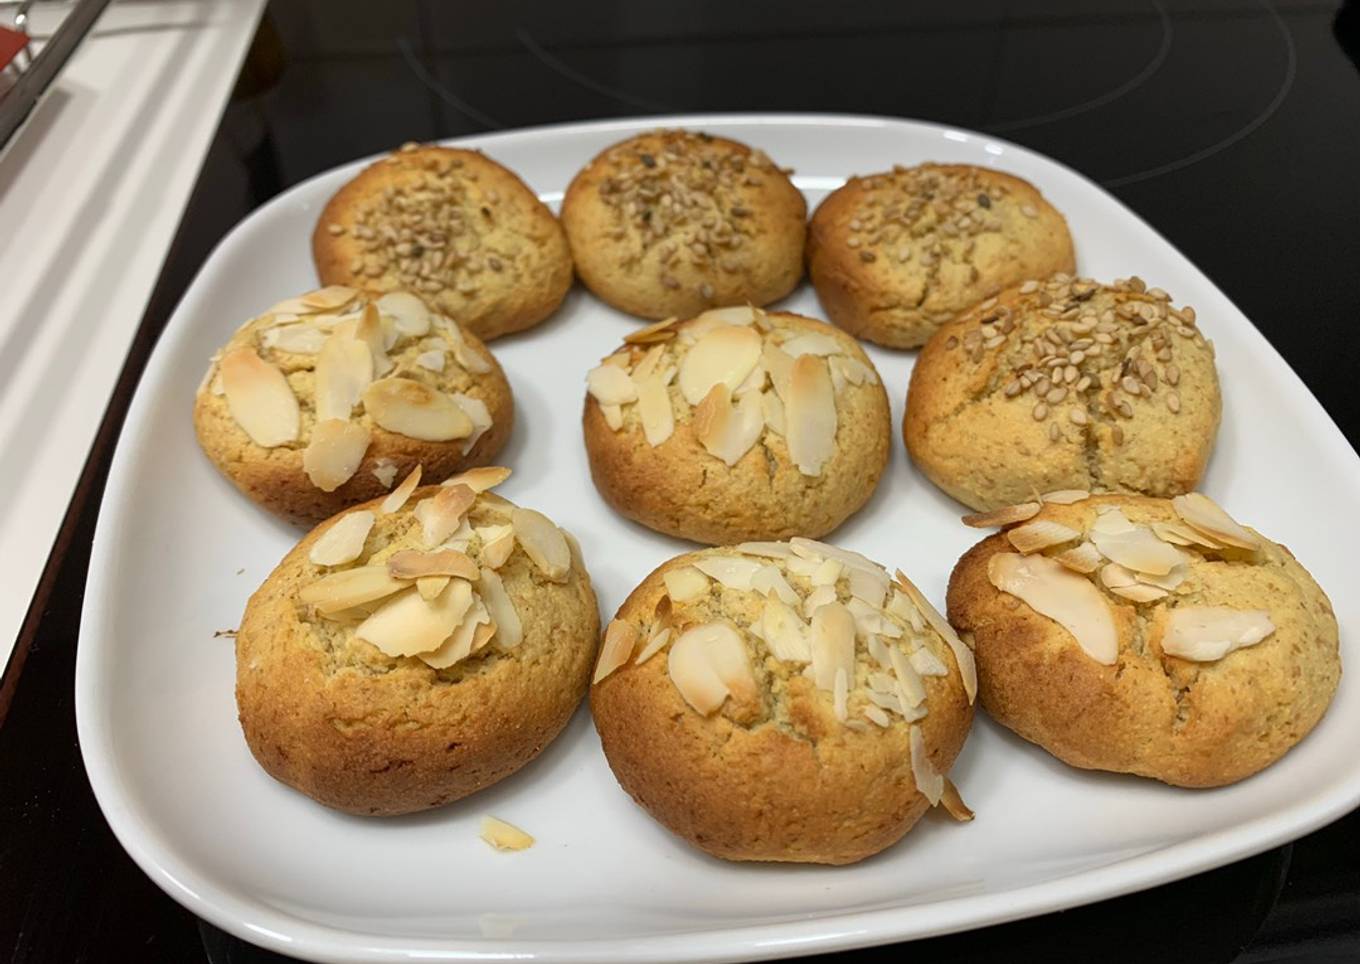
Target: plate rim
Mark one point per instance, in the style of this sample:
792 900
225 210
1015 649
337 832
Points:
259 923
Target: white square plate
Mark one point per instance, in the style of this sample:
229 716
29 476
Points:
178 551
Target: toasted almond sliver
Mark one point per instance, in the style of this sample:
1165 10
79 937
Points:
811 343
724 356
734 572
654 333
1137 548
1139 592
509 628
728 432
654 645
734 315
370 330
430 587
1061 595
827 572
407 312
457 646
350 587
398 496
963 654
693 672
298 339
413 409
1040 534
773 410
412 564
409 625
543 542
259 398
610 385
769 580
343 370
497 544
1168 582
871 585
767 550
832 642
344 541
442 514
1065 497
927 663
785 634
431 360
685 583
504 836
928 780
1115 576
1179 534
620 638
334 453
1085 558
810 415
953 802
728 657
482 635
329 298
654 409
480 479
1202 513
1208 633
1006 515
779 365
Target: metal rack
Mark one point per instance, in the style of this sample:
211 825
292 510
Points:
29 77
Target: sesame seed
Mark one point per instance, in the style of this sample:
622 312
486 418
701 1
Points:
1029 287
1172 374
1029 211
1054 431
1040 412
854 242
1055 396
1173 402
1014 389
1077 416
1117 434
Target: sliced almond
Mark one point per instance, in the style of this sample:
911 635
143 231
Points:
728 432
613 416
460 538
480 479
442 514
1004 516
369 330
870 585
831 640
482 635
735 315
910 690
542 542
409 625
766 550
724 356
953 802
1208 633
1085 558
334 453
412 564
1135 547
299 339
810 415
497 544
654 645
928 780
840 693
610 385
685 584
779 365
349 588
1040 534
1065 496
408 313
927 663
457 646
343 370
431 361
654 410
654 333
734 572
504 836
784 632
620 638
398 496
702 663
385 471
853 370
413 409
811 343
329 298
1115 576
817 598
1061 595
1177 533
430 587
259 398
773 410
963 655
509 627
1139 592
1169 582
344 541
827 572
877 717
1205 515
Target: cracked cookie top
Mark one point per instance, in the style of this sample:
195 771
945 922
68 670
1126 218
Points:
1148 636
1065 383
738 424
895 255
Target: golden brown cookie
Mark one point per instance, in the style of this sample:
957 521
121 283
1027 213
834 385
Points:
669 223
417 649
329 398
783 701
1066 384
738 424
1146 636
894 256
456 228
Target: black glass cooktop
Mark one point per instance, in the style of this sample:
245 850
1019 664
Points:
1232 126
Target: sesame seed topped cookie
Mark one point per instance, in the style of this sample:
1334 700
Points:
783 701
328 398
1148 636
1065 384
738 424
895 255
452 226
669 223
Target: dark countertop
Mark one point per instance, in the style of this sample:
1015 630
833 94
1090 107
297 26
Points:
1232 126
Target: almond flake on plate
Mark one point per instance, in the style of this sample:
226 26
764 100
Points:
344 541
259 398
504 836
334 453
1059 594
953 802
